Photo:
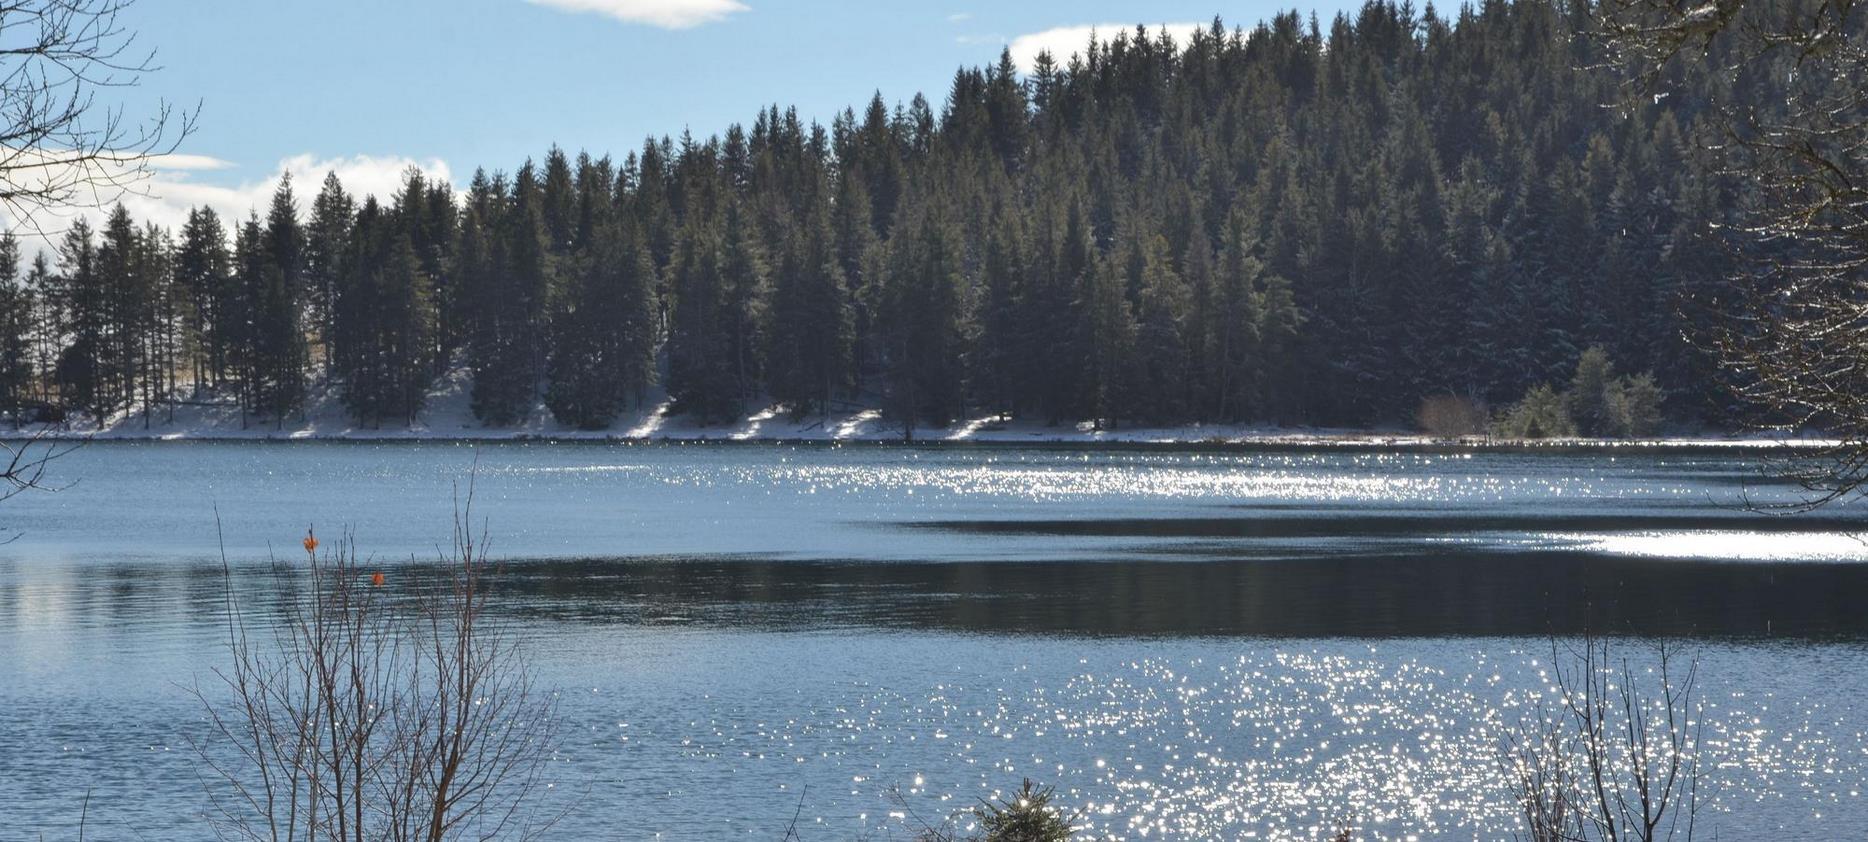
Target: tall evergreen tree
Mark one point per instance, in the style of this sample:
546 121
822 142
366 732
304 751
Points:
16 340
811 328
509 347
275 284
83 364
604 353
204 274
327 238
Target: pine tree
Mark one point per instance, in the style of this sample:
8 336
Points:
1163 350
204 276
157 320
1257 225
508 353
605 351
84 362
996 381
745 280
1237 358
385 317
810 333
122 301
275 282
327 237
1111 342
1589 393
405 301
16 314
702 376
922 318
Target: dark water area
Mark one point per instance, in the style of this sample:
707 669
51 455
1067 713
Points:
1198 644
1472 594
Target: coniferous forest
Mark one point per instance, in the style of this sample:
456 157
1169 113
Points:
1300 222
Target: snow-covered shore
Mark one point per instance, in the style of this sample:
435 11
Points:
448 416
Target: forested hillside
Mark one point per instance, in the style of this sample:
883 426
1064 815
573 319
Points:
1299 222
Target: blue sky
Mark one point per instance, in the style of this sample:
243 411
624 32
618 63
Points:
370 87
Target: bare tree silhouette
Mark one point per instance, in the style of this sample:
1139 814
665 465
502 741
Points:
1795 326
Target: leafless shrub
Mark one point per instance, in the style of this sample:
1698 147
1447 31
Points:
372 711
1452 416
1614 756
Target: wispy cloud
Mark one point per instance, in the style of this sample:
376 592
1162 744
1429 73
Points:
667 14
1066 41
960 17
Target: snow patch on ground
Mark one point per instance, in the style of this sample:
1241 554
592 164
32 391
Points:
448 414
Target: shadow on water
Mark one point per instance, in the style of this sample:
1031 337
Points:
1387 575
1450 592
1442 595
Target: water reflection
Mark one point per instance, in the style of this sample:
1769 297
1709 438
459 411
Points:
1197 645
1455 593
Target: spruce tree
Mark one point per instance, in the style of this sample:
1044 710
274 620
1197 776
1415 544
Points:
204 275
509 348
702 377
810 336
604 352
16 314
275 283
1163 349
83 364
327 237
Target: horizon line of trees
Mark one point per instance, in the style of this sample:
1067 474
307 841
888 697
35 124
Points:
1279 224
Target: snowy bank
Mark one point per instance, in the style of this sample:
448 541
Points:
448 416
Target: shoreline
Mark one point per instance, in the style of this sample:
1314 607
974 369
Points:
448 416
1041 439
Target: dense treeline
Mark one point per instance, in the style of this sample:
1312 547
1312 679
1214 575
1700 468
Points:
1285 224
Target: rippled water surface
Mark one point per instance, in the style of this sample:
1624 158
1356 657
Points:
1195 644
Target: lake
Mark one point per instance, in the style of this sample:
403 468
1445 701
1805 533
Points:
1194 643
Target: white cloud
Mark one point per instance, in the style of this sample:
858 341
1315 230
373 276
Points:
173 188
177 161
1066 41
959 17
667 14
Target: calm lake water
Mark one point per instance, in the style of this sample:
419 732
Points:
1193 644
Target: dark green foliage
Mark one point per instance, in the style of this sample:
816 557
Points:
383 317
1298 223
920 316
1543 413
16 312
1163 340
703 381
604 351
1025 816
510 293
1597 404
1635 405
215 311
810 328
77 374
273 355
1589 393
327 238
